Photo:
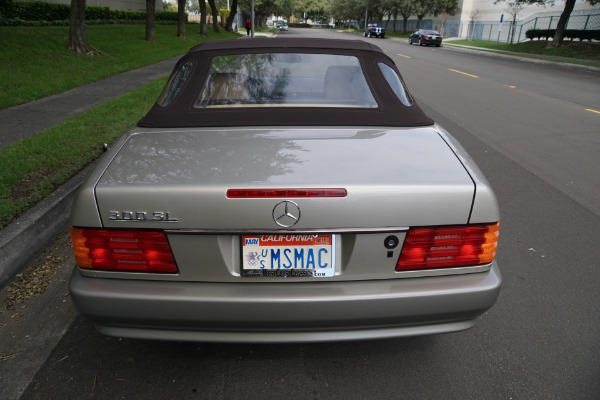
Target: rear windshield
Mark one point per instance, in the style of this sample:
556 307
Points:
285 80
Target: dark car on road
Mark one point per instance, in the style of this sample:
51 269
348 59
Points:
425 37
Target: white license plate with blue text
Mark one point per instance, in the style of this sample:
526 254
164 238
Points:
288 256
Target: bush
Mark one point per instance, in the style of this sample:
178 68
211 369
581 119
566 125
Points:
95 12
166 16
34 10
66 22
539 34
570 34
590 35
17 12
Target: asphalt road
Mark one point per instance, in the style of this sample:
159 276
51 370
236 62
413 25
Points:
539 147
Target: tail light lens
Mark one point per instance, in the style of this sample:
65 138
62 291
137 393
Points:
119 250
444 247
275 193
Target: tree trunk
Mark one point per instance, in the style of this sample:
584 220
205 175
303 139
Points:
419 20
215 15
202 6
443 23
229 26
77 42
559 35
513 28
150 8
181 18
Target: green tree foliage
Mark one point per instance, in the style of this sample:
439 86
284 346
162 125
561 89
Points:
192 6
446 7
286 8
262 9
168 6
314 9
347 10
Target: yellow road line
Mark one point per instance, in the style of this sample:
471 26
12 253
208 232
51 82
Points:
464 73
594 111
402 55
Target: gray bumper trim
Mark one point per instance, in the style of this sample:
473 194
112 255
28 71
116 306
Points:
287 312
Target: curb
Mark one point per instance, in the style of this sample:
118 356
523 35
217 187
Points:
496 53
29 234
500 53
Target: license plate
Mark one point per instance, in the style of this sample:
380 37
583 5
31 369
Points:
288 255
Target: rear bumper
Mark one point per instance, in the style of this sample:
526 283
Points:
287 312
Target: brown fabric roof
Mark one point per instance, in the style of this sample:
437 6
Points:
181 112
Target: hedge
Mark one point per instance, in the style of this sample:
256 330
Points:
66 22
570 34
40 11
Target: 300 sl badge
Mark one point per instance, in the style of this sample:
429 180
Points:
141 216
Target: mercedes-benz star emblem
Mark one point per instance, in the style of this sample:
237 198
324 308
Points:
286 213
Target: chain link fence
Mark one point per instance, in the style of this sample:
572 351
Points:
588 19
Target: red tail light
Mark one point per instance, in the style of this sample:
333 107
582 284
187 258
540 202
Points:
118 250
271 193
444 247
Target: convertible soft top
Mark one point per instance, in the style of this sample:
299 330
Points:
194 96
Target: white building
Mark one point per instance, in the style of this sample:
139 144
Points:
481 19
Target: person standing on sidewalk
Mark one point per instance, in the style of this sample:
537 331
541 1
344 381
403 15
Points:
248 27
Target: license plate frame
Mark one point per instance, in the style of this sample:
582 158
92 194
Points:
288 256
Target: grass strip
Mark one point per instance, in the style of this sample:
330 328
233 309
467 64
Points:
35 62
573 52
33 168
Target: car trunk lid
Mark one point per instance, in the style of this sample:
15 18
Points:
179 179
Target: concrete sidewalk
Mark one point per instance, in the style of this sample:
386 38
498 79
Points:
29 234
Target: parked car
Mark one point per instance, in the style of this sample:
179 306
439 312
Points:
425 37
282 26
284 190
374 30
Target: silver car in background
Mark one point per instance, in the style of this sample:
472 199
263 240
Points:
285 190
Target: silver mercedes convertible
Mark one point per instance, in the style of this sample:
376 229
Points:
284 190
